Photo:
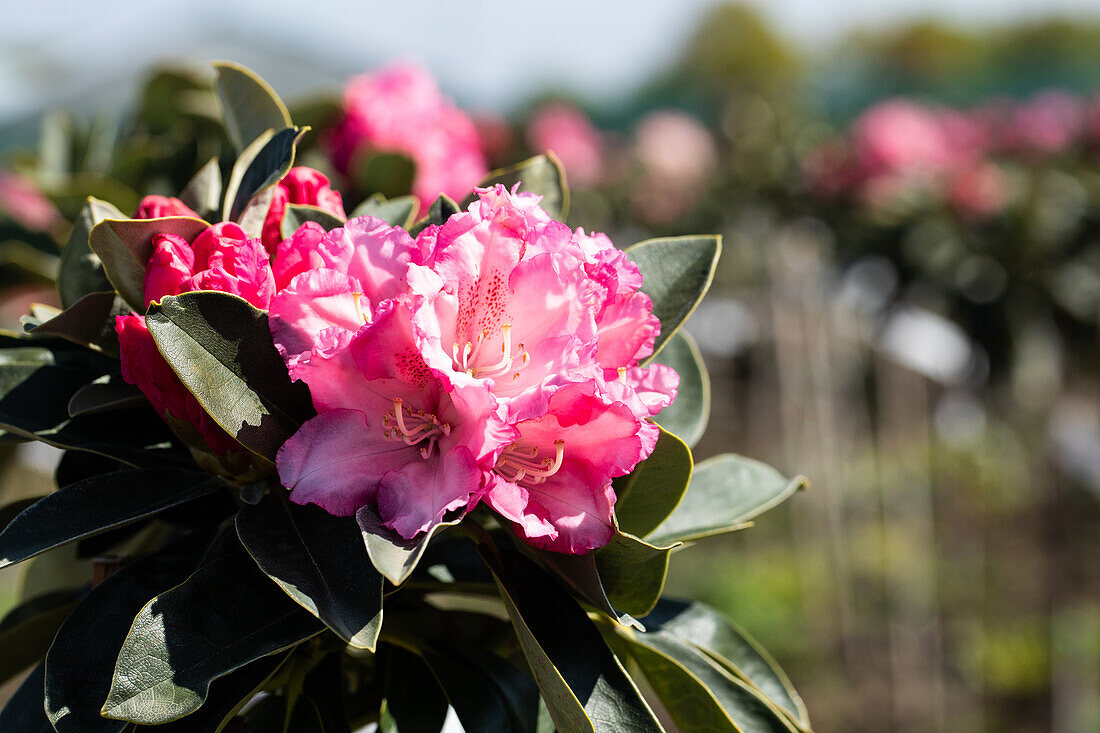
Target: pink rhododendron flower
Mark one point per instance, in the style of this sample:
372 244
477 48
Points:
979 191
899 136
1047 123
158 207
677 154
21 200
401 110
301 185
493 359
221 258
567 132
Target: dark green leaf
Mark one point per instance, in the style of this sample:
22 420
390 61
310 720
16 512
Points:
676 272
394 556
687 416
108 393
583 683
413 697
203 193
77 465
442 209
88 642
226 615
221 348
81 271
96 505
324 688
124 246
542 175
731 648
250 106
297 214
319 560
726 491
261 165
580 573
653 489
390 174
24 712
633 573
398 212
26 632
10 511
89 322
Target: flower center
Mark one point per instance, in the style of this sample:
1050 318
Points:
472 359
413 426
524 466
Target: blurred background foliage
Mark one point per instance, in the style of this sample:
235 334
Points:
915 331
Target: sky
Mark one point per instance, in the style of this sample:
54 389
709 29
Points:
489 55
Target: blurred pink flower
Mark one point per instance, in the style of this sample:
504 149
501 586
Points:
979 191
401 110
27 206
570 135
901 137
495 133
676 153
1047 124
301 185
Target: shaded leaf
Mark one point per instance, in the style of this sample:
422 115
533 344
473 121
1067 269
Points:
107 393
250 107
298 214
687 416
28 629
260 165
398 212
390 174
125 245
89 322
413 697
203 193
96 505
391 554
725 492
487 694
579 572
649 494
542 175
224 616
81 271
221 349
676 272
24 712
319 561
632 572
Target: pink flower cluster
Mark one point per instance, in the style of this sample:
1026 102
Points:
493 358
567 131
401 110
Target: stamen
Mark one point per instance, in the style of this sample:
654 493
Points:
359 306
622 374
517 465
413 427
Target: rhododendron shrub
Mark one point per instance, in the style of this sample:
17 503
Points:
411 465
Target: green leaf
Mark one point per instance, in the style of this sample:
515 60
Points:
24 712
542 175
693 688
583 683
203 193
221 348
676 272
687 416
319 561
581 574
96 505
27 630
261 165
391 554
106 394
397 212
731 648
298 214
413 698
89 322
88 642
441 210
650 493
250 107
125 245
632 572
81 271
726 491
10 511
226 615
390 174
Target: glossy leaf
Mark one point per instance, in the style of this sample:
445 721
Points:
106 394
221 348
203 193
580 573
318 560
687 416
81 271
298 214
96 505
28 629
583 683
650 493
542 175
676 272
87 644
725 492
250 107
88 322
224 616
260 165
391 554
390 174
124 246
732 648
398 212
632 572
23 712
